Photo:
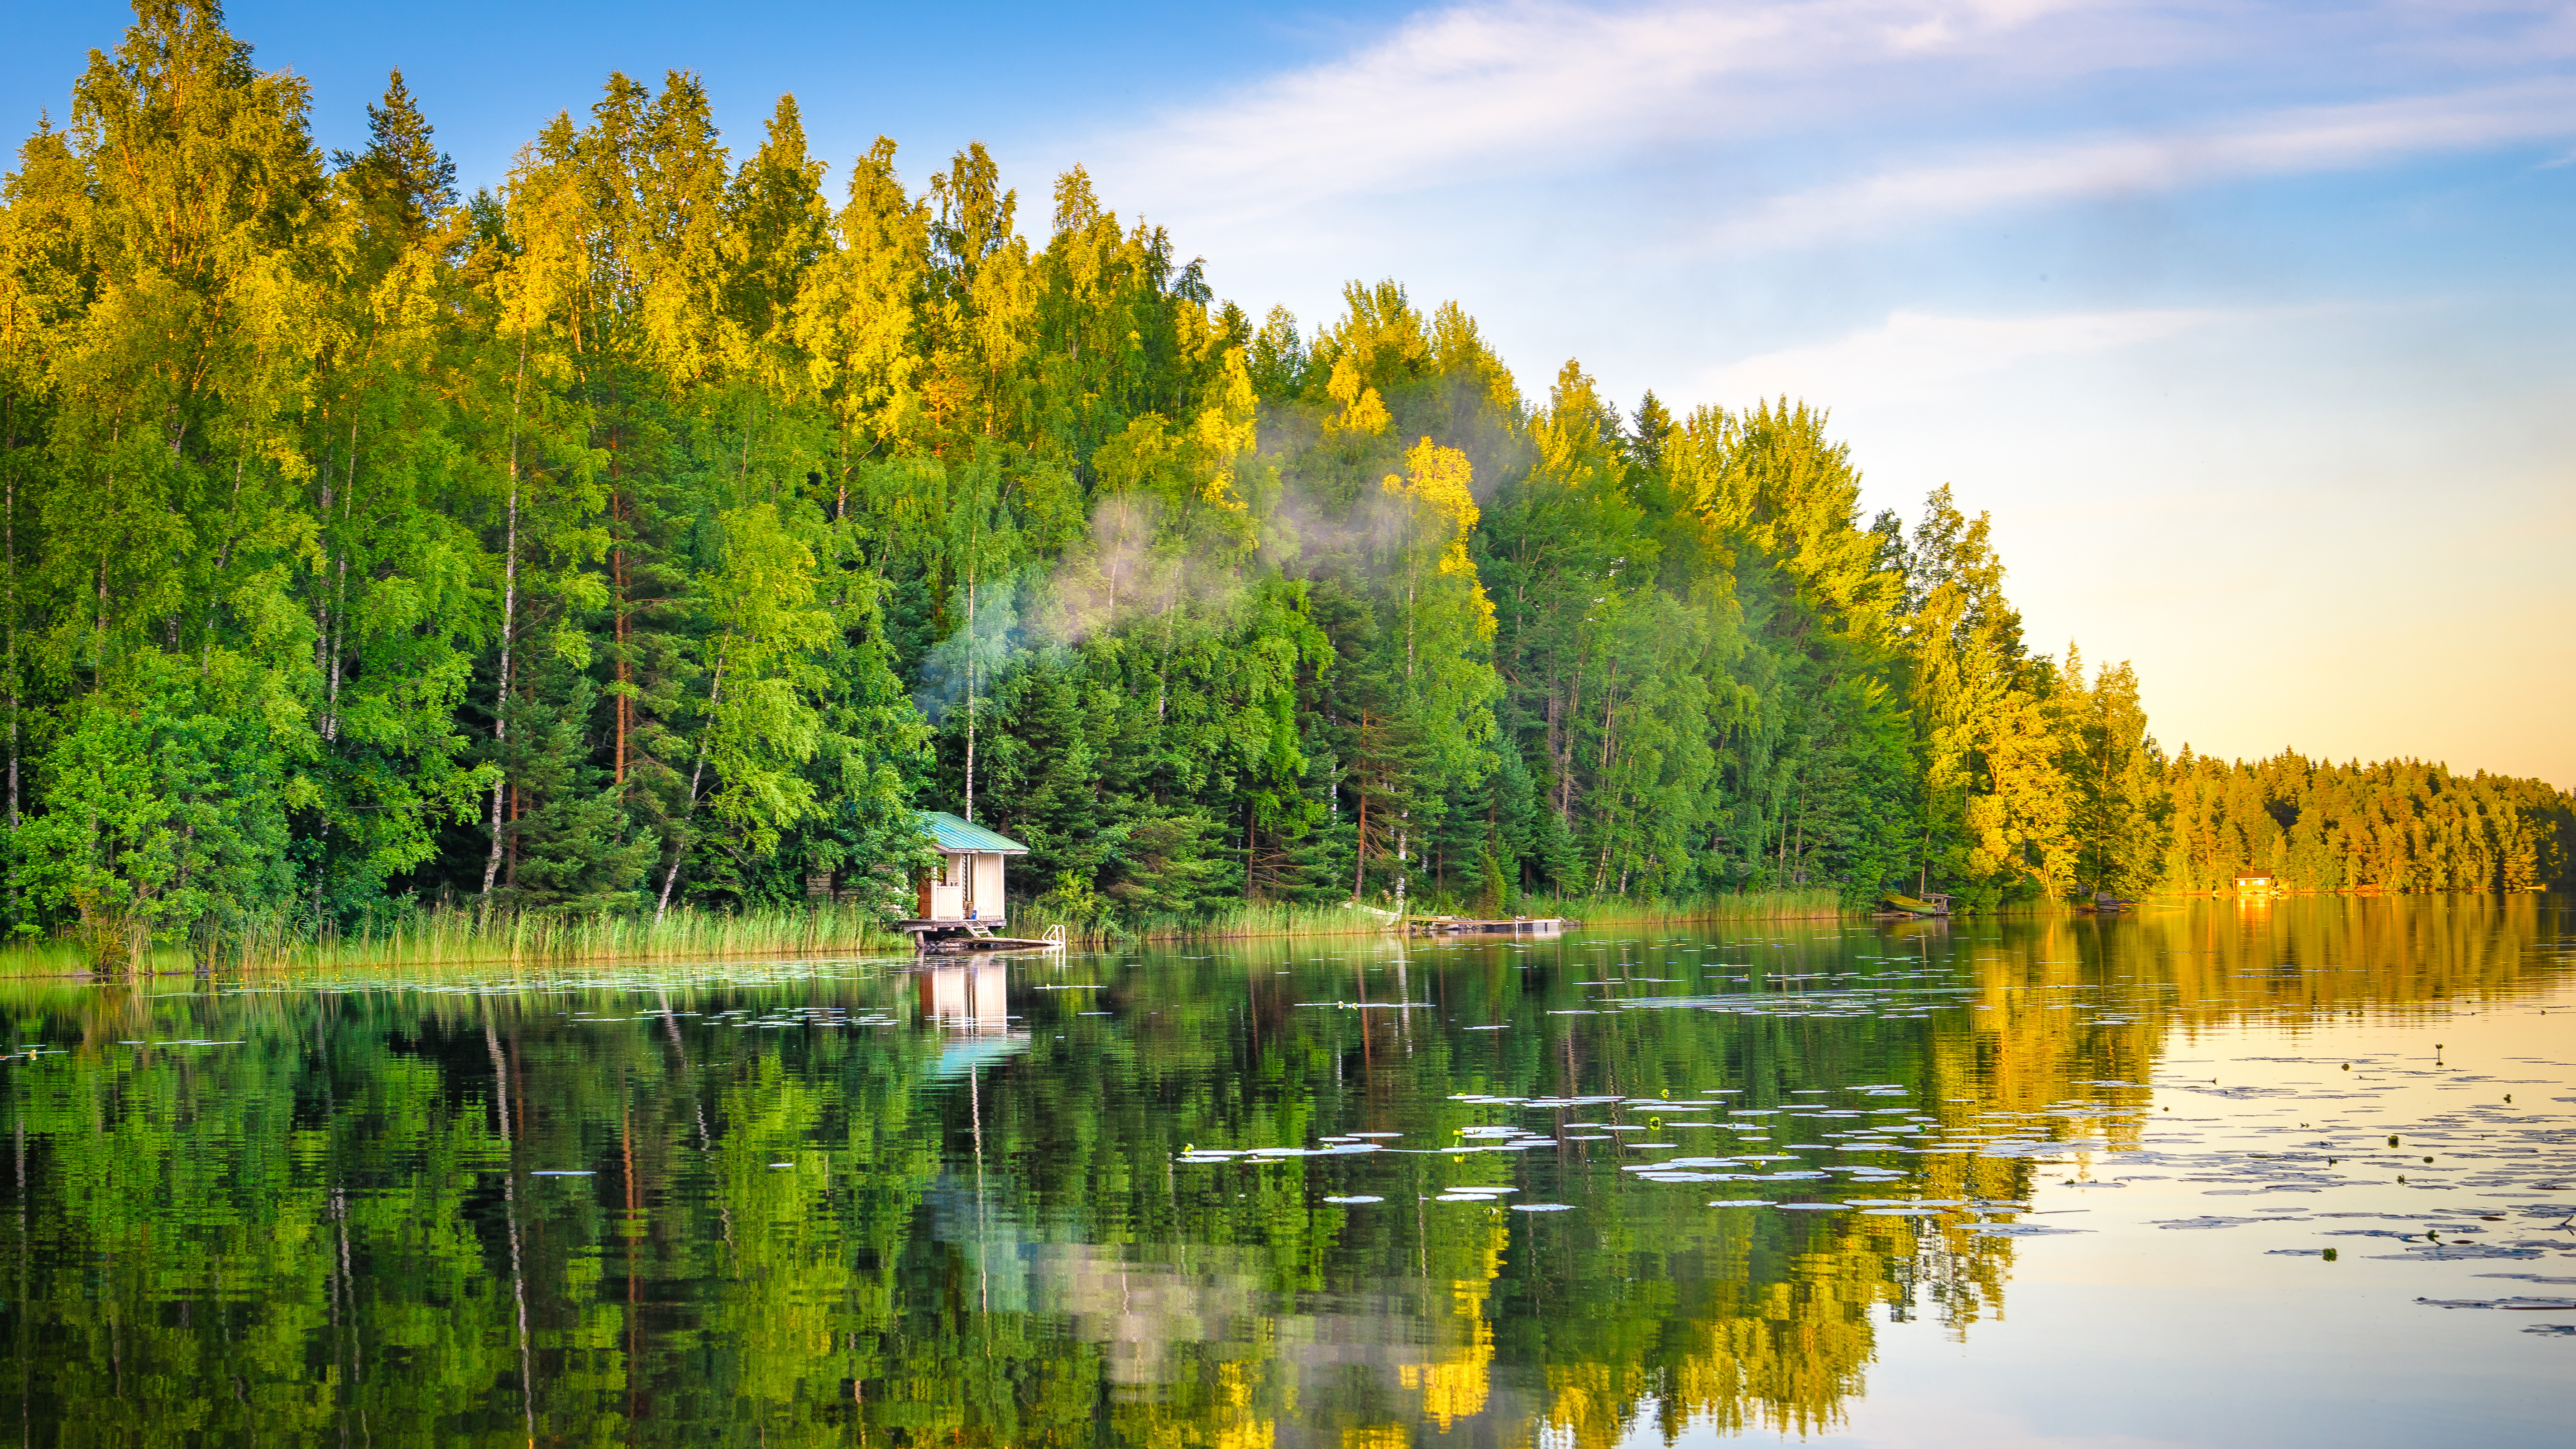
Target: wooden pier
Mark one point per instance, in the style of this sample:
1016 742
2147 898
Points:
1465 926
950 937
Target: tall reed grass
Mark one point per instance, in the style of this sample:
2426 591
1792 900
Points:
1797 904
458 937
1257 918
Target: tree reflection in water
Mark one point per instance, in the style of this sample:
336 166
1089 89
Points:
862 1202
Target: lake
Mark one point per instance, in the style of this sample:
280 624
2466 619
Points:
2290 1173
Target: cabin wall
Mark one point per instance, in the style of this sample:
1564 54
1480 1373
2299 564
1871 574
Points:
988 886
965 880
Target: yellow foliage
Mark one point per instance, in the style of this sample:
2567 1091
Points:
1195 463
1363 412
1457 346
1225 432
1435 479
1456 1386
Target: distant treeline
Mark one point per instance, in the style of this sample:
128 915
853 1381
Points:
654 530
2402 825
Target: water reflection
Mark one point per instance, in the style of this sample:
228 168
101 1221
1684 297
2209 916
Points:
1060 1199
969 999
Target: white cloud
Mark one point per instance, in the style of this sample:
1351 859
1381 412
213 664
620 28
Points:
1917 355
2313 139
1531 89
1483 90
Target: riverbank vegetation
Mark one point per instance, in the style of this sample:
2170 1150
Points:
657 529
416 940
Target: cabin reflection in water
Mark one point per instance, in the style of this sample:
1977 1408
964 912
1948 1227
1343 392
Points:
967 999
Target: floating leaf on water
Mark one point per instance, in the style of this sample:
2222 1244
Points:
2520 1305
2425 1252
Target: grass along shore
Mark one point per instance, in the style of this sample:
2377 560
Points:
1255 919
457 937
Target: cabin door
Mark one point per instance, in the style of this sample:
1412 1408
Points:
945 896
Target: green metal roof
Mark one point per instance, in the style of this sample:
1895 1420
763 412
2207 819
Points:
952 833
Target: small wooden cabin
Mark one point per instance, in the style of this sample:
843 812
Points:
967 886
2255 882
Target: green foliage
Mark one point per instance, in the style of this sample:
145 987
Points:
166 808
649 534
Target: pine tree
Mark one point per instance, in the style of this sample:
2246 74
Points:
403 184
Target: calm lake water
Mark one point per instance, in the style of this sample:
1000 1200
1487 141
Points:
2291 1174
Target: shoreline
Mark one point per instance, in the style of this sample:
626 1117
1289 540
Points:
458 939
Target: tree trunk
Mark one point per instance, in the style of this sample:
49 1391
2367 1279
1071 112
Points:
509 617
9 549
625 666
1359 842
697 774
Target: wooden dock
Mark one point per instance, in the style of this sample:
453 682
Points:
1465 926
951 937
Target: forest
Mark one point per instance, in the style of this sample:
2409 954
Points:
661 527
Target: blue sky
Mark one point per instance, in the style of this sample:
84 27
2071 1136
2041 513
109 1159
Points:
2254 326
